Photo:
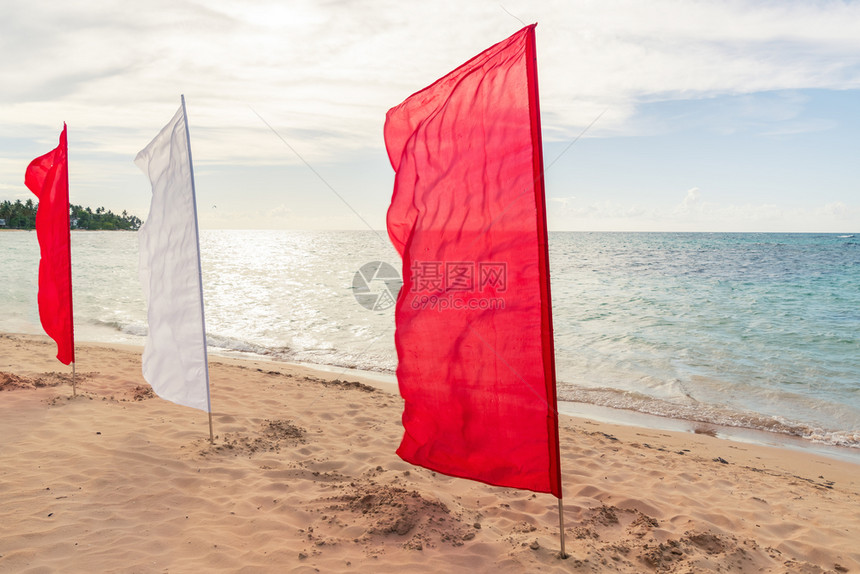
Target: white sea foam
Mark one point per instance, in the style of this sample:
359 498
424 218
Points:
694 411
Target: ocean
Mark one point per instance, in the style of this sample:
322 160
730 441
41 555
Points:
756 331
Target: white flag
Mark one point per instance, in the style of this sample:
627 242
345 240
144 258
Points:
174 359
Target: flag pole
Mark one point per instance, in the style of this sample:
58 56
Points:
211 436
548 343
199 269
561 526
69 243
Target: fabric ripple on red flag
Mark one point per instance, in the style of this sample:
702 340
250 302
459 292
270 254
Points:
47 177
474 329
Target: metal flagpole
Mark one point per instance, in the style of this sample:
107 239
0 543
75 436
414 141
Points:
71 292
199 269
561 527
546 312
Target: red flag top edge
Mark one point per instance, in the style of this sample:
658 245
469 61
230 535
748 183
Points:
47 177
474 327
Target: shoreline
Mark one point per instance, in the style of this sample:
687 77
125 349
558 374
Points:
611 415
632 418
585 413
740 435
598 413
303 477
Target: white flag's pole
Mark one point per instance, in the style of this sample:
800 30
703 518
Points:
199 269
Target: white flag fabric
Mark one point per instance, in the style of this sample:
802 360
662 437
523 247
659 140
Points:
174 359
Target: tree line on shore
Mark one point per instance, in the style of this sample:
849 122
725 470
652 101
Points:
22 215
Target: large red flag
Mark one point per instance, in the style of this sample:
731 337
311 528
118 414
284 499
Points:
474 328
48 177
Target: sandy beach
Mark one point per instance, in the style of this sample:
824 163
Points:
303 478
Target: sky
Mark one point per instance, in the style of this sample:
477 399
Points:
665 115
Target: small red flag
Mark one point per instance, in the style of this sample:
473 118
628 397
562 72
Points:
474 328
48 177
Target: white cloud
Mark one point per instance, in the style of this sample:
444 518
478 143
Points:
561 202
692 201
694 213
280 217
837 210
336 67
323 74
13 192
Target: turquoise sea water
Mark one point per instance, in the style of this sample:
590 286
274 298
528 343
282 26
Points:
759 331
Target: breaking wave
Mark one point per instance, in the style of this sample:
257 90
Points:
694 411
